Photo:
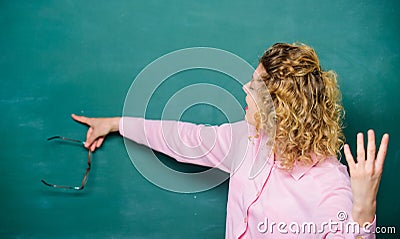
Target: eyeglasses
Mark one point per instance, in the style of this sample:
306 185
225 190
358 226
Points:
85 177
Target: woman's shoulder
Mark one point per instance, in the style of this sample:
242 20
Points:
238 125
239 129
330 172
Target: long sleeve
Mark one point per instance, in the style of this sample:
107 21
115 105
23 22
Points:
336 206
211 146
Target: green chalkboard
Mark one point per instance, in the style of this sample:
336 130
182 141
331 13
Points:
63 57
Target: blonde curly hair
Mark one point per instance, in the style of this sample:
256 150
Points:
307 101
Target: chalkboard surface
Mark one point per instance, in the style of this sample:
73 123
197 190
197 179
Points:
63 57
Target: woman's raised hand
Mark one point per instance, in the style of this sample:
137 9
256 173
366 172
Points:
98 129
365 175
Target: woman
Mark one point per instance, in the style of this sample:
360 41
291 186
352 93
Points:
300 189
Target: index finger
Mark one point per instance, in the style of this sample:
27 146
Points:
349 157
81 119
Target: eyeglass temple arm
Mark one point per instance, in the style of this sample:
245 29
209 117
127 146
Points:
61 186
67 139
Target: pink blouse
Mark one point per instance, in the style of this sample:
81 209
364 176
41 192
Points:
264 201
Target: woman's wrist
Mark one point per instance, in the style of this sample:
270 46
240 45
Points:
114 123
364 213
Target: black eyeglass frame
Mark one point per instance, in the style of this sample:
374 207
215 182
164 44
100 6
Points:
85 177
